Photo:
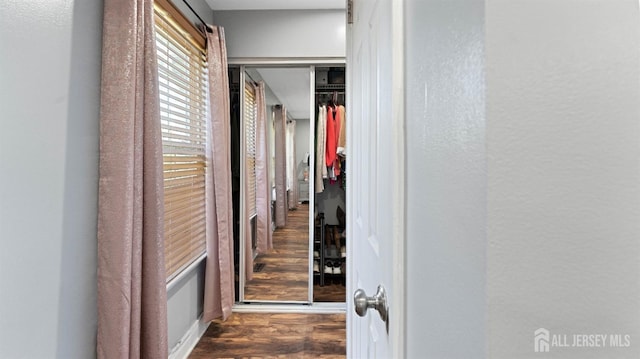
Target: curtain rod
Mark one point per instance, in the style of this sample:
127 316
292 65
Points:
198 16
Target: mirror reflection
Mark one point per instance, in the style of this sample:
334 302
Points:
279 270
289 196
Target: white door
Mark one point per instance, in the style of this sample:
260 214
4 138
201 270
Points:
375 175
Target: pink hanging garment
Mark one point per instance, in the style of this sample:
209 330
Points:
337 123
330 150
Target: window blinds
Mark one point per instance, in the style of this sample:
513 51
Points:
183 101
250 114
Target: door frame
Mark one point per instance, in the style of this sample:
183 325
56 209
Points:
398 297
269 305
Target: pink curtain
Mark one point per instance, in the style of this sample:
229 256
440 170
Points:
293 165
248 244
263 195
280 114
219 273
132 298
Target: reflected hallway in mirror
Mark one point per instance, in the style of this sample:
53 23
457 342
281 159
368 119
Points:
280 274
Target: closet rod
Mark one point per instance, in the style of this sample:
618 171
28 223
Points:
204 24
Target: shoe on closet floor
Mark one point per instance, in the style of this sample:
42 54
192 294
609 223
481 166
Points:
328 269
343 251
316 267
337 270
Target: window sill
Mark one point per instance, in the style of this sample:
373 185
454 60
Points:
183 273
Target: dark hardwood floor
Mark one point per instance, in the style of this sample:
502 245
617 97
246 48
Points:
285 276
331 292
266 335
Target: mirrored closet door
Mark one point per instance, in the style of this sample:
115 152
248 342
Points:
289 233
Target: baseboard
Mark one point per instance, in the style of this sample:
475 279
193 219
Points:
189 340
315 308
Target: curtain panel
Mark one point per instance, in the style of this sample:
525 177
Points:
219 289
292 165
131 280
248 239
263 195
280 114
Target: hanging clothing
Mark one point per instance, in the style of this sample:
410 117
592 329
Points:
280 115
342 138
320 169
337 124
330 151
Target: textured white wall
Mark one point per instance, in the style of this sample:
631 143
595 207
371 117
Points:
185 303
302 143
523 140
49 103
284 33
446 179
563 143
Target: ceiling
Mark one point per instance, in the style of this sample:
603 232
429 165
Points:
275 4
292 87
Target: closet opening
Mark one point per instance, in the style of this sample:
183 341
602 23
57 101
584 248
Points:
330 253
288 191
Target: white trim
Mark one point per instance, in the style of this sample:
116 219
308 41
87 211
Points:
185 345
278 61
311 174
315 308
284 63
277 302
398 297
349 193
243 194
183 273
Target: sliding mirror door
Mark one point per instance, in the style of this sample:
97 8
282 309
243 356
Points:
276 139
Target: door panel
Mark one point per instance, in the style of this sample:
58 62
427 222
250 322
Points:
369 196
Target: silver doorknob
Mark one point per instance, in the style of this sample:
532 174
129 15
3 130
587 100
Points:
377 302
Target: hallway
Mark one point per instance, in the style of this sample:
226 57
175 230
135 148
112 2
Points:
259 335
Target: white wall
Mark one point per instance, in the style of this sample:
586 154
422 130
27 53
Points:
563 133
284 33
302 144
523 139
446 179
50 95
185 304
49 103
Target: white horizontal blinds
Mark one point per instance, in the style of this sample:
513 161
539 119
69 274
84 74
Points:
183 100
250 114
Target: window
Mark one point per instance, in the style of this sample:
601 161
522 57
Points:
250 115
182 74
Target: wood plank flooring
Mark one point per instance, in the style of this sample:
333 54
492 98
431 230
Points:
266 335
285 276
331 292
